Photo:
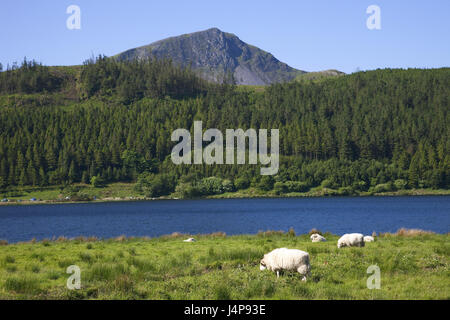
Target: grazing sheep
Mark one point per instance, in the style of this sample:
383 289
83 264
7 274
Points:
369 239
286 259
189 240
317 238
351 240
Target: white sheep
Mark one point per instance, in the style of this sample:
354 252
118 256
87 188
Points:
351 240
286 259
317 238
369 239
189 240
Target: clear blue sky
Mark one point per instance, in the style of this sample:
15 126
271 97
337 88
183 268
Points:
308 35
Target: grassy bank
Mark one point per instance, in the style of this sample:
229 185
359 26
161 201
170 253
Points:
122 191
413 266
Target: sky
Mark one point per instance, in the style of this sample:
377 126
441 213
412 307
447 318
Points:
308 35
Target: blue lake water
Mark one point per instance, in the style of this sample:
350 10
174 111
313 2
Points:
234 216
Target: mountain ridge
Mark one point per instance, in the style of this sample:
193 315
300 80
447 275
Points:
215 54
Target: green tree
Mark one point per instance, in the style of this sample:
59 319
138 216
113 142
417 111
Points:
97 182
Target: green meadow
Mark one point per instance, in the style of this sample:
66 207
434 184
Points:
413 265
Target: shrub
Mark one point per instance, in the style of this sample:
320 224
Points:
400 184
53 275
228 185
35 268
187 191
242 183
80 196
290 186
11 269
327 183
383 187
296 186
211 185
266 183
345 191
360 185
155 185
204 187
97 182
291 232
280 187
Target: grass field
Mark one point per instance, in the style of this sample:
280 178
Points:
413 266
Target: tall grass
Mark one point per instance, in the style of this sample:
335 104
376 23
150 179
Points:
22 284
414 265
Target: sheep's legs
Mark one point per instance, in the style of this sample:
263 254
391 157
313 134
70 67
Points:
278 274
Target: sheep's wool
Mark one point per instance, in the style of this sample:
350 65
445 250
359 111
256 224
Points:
287 259
351 240
317 238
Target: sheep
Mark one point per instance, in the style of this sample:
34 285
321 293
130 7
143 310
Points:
351 240
286 259
189 240
369 239
317 238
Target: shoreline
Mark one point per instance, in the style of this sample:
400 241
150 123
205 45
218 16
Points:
236 195
400 232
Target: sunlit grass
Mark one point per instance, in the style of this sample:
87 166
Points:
414 265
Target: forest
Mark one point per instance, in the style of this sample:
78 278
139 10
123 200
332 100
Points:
108 121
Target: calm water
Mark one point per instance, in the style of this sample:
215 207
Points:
234 216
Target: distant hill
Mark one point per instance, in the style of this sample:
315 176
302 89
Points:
319 75
216 54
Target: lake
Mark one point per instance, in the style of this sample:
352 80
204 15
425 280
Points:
234 216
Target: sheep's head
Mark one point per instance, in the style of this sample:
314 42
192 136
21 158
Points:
262 265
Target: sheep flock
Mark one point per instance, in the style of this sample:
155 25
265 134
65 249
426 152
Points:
281 259
284 259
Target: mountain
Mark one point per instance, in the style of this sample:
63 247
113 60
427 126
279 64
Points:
215 54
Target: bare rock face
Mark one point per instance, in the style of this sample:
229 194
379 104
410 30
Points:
216 55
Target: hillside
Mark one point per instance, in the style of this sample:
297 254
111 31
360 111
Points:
215 55
376 131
